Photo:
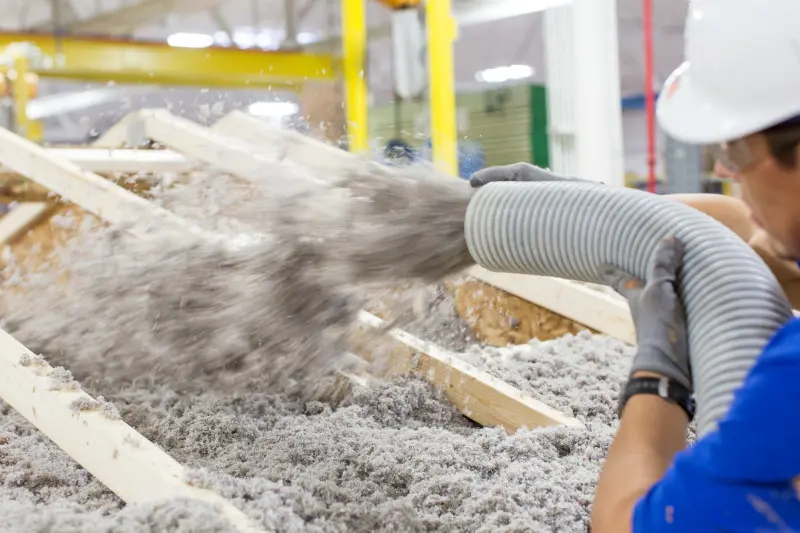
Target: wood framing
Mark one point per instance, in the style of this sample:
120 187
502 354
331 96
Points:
126 161
280 143
123 460
128 464
224 152
492 394
92 192
487 400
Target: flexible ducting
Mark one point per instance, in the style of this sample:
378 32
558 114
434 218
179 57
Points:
733 302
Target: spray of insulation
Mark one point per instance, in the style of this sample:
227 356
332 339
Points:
196 314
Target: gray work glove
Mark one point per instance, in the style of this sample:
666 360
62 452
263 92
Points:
516 172
662 343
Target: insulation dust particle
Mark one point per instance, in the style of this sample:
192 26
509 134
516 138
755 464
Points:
28 359
199 478
61 379
84 403
109 409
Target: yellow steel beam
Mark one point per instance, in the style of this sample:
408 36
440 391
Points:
354 49
441 32
399 4
20 96
104 60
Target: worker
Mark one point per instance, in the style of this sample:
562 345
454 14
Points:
745 475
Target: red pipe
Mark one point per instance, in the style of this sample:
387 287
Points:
649 93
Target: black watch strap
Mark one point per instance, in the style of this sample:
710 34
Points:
663 387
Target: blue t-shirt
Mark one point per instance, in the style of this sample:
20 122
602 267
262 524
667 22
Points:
739 477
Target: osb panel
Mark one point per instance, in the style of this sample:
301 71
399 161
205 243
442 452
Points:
32 250
498 318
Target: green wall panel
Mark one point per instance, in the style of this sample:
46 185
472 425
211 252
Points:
510 123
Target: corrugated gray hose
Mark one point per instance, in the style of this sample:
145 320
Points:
733 302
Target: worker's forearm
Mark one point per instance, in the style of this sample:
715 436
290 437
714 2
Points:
651 432
727 210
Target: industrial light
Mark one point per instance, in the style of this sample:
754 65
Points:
246 37
190 40
70 102
305 37
273 109
222 38
504 74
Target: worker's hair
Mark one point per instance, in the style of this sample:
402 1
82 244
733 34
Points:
782 140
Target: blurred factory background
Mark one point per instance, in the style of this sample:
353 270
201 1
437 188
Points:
466 83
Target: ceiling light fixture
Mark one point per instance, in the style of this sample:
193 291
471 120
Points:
504 74
190 40
273 109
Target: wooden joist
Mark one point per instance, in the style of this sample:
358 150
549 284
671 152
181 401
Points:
223 152
123 460
120 161
134 468
487 400
92 192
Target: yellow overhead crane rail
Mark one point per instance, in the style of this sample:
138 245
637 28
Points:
399 4
120 61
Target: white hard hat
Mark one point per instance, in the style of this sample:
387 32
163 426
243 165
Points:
741 74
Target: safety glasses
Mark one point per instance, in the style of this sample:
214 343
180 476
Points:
736 156
733 156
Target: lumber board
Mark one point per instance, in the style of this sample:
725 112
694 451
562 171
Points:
578 303
487 400
121 161
89 190
131 466
118 135
224 152
281 143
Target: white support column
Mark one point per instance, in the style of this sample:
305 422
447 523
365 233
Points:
583 73
559 50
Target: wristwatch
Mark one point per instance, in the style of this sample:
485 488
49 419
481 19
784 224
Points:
663 387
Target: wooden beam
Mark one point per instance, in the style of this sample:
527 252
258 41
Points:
123 161
487 400
92 192
224 152
123 460
118 135
281 143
